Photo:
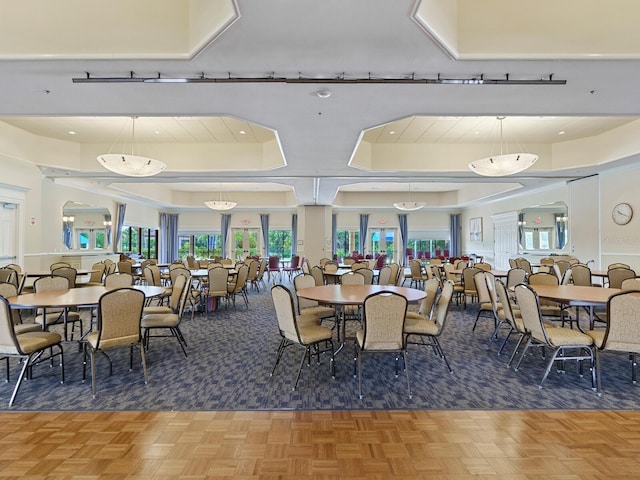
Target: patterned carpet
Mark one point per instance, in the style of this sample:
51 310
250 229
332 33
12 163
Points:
231 353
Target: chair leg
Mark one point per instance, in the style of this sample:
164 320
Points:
515 350
181 341
93 372
406 372
281 348
444 357
549 365
307 351
25 365
144 364
523 353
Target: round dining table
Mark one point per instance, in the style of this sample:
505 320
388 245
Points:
73 297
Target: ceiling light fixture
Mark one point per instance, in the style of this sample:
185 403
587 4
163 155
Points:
505 163
410 205
129 163
323 93
220 204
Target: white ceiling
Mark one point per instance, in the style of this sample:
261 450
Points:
317 136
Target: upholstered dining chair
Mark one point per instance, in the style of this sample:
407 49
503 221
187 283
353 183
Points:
69 273
516 276
273 268
55 265
152 277
512 317
318 275
29 347
302 330
118 326
252 275
480 280
631 284
155 318
8 275
384 275
617 275
50 316
622 333
239 286
311 307
118 280
367 273
469 285
549 308
431 287
429 329
217 286
382 331
20 276
564 343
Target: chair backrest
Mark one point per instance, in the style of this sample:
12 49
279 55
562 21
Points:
8 342
562 266
48 284
274 262
460 264
152 275
416 268
176 272
617 265
516 276
395 272
8 275
323 261
530 311
352 278
617 275
97 272
180 283
218 278
513 263
483 266
581 275
384 275
191 262
118 280
383 321
567 278
110 267
480 281
304 281
69 273
524 264
367 273
241 278
331 266
285 312
254 266
295 262
439 315
543 279
119 313
124 267
623 328
226 261
306 266
10 290
55 265
358 265
426 304
261 269
503 299
631 284
468 278
318 276
178 264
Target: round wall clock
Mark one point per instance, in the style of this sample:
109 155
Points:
622 213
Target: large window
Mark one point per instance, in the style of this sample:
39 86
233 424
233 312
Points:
200 245
280 243
347 241
140 241
245 242
428 243
537 238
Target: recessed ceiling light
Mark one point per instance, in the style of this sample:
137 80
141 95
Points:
71 132
157 132
392 132
561 132
242 132
323 93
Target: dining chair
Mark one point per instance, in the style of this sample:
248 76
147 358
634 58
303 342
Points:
252 275
631 284
318 275
8 275
96 278
384 275
382 331
516 276
55 265
622 333
615 276
311 307
273 268
118 326
431 288
154 320
50 316
429 329
151 275
302 330
550 308
118 280
486 308
469 285
20 276
29 347
238 286
217 288
69 273
395 273
367 273
352 312
565 343
512 317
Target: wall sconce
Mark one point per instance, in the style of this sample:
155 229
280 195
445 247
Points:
107 223
69 219
522 224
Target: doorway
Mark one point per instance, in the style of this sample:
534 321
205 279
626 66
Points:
382 241
245 243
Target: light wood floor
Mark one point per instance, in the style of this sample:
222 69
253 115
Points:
322 445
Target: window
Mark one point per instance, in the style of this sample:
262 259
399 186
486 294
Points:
280 243
428 243
537 238
347 241
139 240
200 245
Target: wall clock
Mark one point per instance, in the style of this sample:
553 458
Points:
622 213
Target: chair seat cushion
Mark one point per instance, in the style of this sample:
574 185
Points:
597 336
561 336
391 345
159 320
422 326
414 316
311 333
156 309
26 327
33 341
92 340
308 319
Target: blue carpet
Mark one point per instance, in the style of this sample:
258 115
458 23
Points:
231 353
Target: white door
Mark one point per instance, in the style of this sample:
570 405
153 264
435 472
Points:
8 233
505 239
584 219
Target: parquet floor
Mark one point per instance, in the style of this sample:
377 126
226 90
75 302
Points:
321 445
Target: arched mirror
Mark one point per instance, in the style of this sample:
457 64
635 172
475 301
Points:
86 227
543 228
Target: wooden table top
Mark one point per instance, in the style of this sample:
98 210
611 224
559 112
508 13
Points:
355 294
46 273
496 273
74 297
576 295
